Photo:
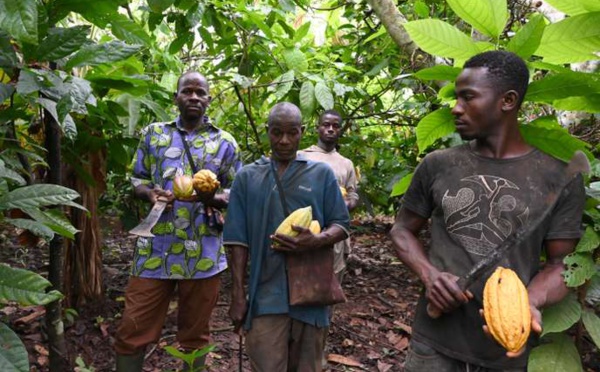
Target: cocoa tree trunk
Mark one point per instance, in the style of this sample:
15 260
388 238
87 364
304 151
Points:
392 20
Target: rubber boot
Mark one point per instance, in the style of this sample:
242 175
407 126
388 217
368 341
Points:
130 363
198 365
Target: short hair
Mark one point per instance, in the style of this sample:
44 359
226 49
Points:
284 109
506 70
330 112
190 72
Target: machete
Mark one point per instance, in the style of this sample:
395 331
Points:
144 229
577 165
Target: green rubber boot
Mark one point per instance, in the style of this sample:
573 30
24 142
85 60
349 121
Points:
130 363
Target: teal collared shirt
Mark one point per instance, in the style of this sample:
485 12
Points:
255 211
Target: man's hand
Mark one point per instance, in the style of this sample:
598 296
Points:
237 311
536 327
304 241
157 193
443 294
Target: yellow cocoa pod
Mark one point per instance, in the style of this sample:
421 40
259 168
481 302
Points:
300 217
506 309
183 187
343 191
314 227
206 181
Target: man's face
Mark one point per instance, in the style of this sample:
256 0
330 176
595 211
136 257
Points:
478 109
192 96
284 136
329 129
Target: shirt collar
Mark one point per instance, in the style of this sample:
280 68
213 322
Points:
206 121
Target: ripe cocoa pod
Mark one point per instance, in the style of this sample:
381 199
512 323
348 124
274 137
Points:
300 217
506 309
206 181
314 227
183 187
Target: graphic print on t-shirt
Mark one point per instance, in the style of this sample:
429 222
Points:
483 212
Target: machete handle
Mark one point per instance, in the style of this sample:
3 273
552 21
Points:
433 311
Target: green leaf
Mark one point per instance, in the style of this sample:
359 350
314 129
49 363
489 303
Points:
421 9
307 99
401 186
6 91
574 39
25 287
20 19
282 84
301 32
204 264
375 35
97 54
441 39
10 174
177 44
528 38
159 6
37 228
560 355
439 72
575 7
153 263
97 12
589 241
434 126
593 291
13 355
487 16
61 42
592 325
295 60
8 57
555 141
54 219
67 124
561 316
563 85
38 195
323 95
129 31
589 103
580 268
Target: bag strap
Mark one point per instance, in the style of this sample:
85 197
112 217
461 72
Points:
286 211
186 146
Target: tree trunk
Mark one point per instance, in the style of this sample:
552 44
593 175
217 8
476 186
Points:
392 20
59 360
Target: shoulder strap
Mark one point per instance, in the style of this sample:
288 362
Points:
286 211
186 146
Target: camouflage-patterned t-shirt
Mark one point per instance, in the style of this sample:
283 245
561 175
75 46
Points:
184 246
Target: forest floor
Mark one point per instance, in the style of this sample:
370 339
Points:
370 332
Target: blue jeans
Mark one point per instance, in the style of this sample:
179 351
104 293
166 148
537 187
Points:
423 358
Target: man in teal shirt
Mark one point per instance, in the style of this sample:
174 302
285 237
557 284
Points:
280 337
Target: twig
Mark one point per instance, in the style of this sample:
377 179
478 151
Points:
222 329
380 297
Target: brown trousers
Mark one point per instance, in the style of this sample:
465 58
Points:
146 306
278 343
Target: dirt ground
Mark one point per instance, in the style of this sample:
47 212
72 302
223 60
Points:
370 332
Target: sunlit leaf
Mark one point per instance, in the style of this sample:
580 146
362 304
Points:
37 195
434 126
527 39
487 16
563 85
561 316
295 60
580 268
307 98
401 186
559 355
441 39
589 241
439 72
323 95
575 7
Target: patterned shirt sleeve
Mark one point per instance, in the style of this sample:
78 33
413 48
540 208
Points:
141 163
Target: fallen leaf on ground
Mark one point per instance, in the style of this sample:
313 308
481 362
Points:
383 367
41 350
340 359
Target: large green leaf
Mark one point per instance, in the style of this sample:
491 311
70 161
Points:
401 186
592 325
9 174
554 141
307 98
8 57
20 19
527 39
323 95
434 126
593 291
561 316
282 84
295 60
589 103
574 39
97 54
575 7
97 12
441 39
38 195
589 241
54 219
560 355
37 228
129 31
13 355
6 91
439 72
580 268
563 85
67 124
487 16
61 42
159 6
25 287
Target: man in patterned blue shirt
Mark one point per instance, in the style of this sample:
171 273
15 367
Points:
187 251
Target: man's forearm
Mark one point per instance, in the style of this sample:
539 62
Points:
411 252
548 286
142 192
238 263
331 235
